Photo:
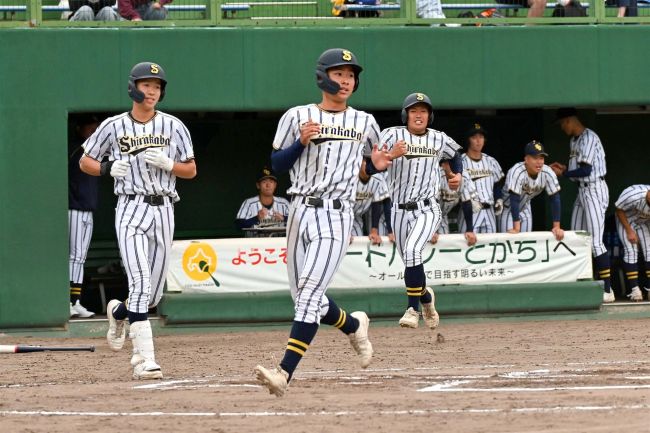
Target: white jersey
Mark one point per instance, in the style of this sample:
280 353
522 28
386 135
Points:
587 148
449 198
370 192
633 202
520 182
329 166
252 206
123 138
484 172
415 176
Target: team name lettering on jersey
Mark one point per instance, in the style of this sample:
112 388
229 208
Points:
478 174
532 189
415 151
130 144
336 132
364 195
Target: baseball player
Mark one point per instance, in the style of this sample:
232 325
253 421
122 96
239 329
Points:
587 168
264 209
82 201
633 225
414 176
486 174
449 198
322 146
372 195
147 150
524 181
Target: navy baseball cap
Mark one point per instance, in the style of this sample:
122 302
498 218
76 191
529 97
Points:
535 148
476 129
266 173
563 112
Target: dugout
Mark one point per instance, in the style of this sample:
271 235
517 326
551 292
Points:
230 87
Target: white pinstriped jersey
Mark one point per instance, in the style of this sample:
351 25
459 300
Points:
251 207
519 181
587 148
449 197
415 176
367 193
484 173
633 202
123 138
329 166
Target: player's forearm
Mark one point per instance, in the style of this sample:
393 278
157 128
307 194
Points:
556 208
184 170
620 214
456 163
583 171
515 201
283 159
468 215
90 166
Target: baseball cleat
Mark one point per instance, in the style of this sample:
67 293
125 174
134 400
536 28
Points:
410 319
635 294
146 369
429 313
80 310
276 381
608 297
116 328
73 312
359 339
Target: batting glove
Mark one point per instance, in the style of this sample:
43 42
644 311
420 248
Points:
498 207
157 158
476 206
120 168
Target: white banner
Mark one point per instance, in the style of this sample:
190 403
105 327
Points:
259 264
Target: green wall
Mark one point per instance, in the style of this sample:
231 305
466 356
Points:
256 73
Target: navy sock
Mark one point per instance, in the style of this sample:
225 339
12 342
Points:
603 270
425 297
631 275
299 340
120 312
413 278
338 318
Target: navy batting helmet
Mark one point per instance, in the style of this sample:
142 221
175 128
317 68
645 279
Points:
330 59
416 98
146 70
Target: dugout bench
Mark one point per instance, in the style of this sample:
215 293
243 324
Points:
103 273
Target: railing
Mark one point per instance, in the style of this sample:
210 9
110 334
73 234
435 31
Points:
48 13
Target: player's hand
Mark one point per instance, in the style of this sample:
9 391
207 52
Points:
157 158
391 237
308 130
278 216
137 19
454 181
156 5
558 232
498 207
631 236
558 168
399 149
120 168
514 230
380 157
374 237
434 238
470 237
262 214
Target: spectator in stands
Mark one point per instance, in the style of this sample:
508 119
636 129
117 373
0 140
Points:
627 8
429 9
82 201
536 7
91 10
138 10
264 209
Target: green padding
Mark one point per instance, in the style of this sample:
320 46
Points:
450 300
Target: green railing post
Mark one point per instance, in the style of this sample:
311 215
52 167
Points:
409 10
34 13
599 10
213 14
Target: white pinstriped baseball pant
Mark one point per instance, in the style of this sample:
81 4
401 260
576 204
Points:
144 234
413 229
80 231
317 241
630 250
589 213
525 218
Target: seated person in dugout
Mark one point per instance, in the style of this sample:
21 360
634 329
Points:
264 209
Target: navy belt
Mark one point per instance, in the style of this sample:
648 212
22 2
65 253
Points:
414 205
319 202
153 200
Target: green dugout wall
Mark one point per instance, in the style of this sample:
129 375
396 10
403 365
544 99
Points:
246 78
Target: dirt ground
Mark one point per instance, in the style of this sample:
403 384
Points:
551 376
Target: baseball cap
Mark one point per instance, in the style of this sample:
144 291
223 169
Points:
266 173
563 112
476 129
535 148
